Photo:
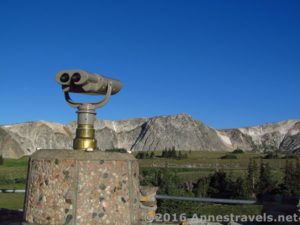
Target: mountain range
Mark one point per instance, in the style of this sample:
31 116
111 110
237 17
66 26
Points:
181 132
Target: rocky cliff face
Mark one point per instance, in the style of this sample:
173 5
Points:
291 140
157 133
28 137
179 131
269 136
9 147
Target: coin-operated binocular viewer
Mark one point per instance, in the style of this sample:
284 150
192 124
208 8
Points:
79 81
79 187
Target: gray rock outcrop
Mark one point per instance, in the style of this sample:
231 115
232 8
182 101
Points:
156 133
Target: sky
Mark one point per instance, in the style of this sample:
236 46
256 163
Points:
226 63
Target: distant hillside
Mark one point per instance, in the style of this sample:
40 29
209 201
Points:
157 133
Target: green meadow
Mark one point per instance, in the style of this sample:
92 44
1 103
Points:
197 164
200 164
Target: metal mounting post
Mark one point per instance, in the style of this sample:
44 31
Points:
85 132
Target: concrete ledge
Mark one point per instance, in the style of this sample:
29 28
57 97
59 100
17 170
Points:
81 155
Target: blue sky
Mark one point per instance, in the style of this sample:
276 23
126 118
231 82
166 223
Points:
226 63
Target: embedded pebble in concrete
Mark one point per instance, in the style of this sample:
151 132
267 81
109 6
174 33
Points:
75 187
50 192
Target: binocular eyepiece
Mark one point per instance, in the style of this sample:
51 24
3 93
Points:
80 81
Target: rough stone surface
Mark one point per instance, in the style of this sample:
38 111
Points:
148 203
76 187
157 133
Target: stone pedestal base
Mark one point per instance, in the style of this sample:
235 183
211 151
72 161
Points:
82 188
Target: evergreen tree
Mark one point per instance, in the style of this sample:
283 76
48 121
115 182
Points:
252 175
169 153
140 155
255 169
201 187
179 155
241 190
173 154
218 185
1 160
169 182
223 186
137 155
152 155
292 177
147 155
158 178
164 153
297 177
265 183
289 171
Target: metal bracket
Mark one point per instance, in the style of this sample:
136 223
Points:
85 132
95 104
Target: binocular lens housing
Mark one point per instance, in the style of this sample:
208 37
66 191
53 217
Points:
76 77
64 77
80 81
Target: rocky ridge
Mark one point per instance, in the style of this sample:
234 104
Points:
157 133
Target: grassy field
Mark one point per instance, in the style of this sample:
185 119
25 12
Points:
13 173
11 200
14 168
209 160
198 164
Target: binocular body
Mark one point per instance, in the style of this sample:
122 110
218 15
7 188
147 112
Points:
80 81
